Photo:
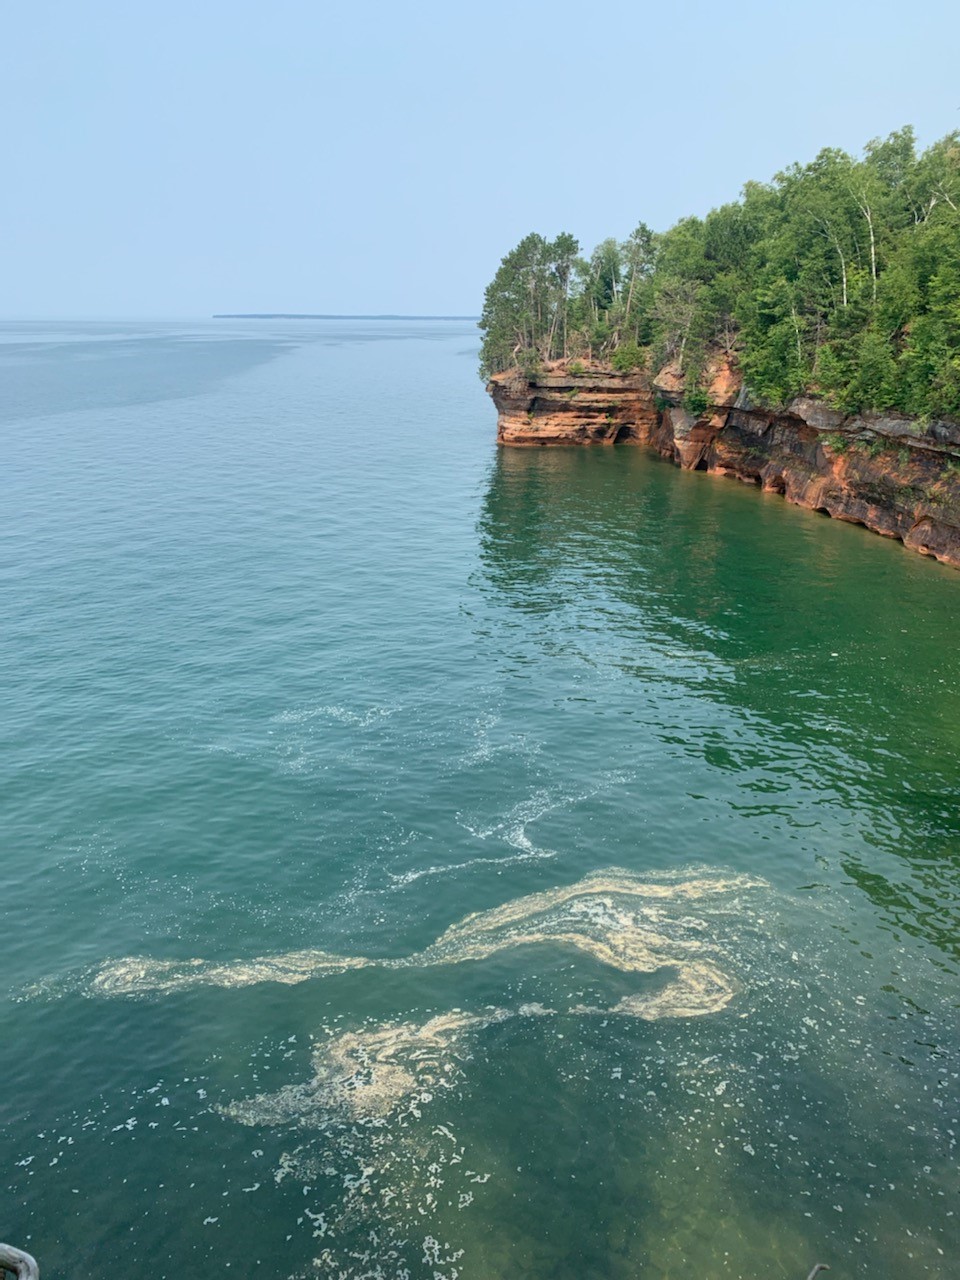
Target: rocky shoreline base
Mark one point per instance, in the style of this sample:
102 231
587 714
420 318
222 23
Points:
895 475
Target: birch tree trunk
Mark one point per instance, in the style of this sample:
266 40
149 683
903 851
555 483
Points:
868 215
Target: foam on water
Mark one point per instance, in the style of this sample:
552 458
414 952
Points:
377 1140
510 830
372 1086
634 923
401 878
371 1071
137 975
377 1136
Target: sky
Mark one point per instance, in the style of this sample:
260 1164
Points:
164 159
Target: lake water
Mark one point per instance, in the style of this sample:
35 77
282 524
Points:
298 673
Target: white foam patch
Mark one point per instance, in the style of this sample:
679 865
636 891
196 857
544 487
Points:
368 1073
138 975
342 715
634 923
373 1090
399 879
383 1141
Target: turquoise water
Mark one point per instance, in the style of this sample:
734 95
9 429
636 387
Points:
299 672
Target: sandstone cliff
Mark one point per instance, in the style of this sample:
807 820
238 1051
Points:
894 475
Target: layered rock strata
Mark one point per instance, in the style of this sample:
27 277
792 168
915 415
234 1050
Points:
895 475
559 406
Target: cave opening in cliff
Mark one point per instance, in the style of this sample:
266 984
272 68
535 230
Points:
624 433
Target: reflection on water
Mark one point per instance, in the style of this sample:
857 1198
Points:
832 649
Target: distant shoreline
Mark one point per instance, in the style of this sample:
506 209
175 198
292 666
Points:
294 315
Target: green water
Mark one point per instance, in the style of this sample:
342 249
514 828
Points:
294 661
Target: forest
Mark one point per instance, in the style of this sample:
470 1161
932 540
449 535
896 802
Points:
839 278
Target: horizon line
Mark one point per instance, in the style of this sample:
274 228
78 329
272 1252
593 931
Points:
325 315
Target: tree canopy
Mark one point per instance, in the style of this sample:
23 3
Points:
839 277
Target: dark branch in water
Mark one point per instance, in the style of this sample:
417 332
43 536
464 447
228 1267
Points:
821 1266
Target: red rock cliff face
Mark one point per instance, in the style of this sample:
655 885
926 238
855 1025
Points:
597 406
893 475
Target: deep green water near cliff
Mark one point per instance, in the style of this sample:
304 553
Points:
293 659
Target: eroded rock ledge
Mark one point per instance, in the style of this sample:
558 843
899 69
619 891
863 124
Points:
896 476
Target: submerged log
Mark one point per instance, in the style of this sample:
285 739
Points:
23 1265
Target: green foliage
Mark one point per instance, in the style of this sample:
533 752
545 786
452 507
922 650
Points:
626 357
696 402
836 442
577 368
872 384
524 318
840 277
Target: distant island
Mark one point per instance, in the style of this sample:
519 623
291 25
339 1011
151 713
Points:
805 338
306 315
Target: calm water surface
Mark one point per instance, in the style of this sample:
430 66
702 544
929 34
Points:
298 672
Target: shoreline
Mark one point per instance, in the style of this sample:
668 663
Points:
893 475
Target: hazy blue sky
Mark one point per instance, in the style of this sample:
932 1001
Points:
173 159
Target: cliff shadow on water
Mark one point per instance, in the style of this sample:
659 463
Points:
803 673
